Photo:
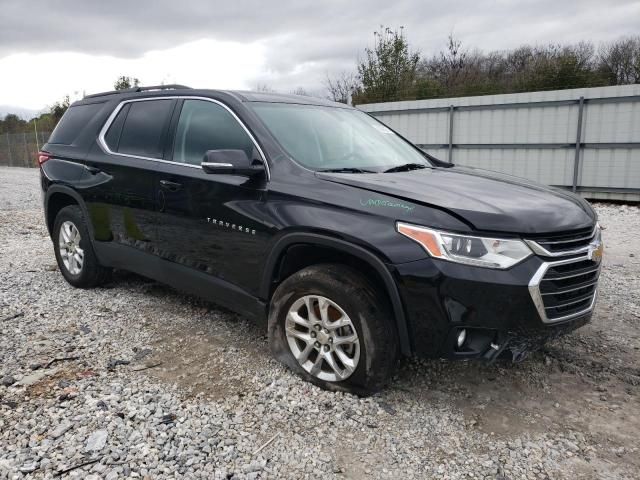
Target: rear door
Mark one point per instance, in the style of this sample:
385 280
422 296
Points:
210 222
120 197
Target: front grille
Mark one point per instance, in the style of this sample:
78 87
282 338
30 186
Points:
563 244
569 288
565 289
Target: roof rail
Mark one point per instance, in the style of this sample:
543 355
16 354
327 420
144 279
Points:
140 89
161 87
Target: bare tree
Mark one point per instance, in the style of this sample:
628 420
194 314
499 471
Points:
341 87
620 61
263 87
450 66
300 91
457 71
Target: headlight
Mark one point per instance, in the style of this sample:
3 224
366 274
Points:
479 251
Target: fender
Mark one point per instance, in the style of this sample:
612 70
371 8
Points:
380 267
57 188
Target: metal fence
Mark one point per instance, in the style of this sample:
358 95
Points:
587 140
21 149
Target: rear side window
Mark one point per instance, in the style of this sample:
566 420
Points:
73 122
207 126
143 129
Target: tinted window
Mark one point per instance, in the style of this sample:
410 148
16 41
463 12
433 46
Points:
72 123
112 138
207 126
144 128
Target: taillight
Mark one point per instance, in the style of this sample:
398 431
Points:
43 157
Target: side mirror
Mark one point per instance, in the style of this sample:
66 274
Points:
231 162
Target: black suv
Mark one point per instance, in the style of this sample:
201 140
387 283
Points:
351 245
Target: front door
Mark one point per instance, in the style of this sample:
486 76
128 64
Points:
209 222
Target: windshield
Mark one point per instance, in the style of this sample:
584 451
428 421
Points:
337 139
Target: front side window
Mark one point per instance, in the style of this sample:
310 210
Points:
143 130
332 138
206 126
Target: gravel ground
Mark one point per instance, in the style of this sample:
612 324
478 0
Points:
138 380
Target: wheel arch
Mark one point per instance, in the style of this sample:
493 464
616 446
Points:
276 270
58 197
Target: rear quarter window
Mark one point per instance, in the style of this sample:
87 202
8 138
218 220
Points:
72 123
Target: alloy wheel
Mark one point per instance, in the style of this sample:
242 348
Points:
322 338
69 246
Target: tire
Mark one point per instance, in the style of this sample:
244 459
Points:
70 225
370 361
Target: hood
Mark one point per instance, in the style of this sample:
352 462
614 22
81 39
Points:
485 200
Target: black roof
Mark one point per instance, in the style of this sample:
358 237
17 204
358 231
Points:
241 95
248 96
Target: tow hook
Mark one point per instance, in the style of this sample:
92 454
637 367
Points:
494 351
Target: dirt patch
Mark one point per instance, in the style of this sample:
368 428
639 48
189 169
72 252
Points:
203 359
58 383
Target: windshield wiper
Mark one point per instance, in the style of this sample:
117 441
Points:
406 167
347 170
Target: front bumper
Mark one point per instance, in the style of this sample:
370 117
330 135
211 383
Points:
501 310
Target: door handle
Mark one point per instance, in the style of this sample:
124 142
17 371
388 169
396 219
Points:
169 185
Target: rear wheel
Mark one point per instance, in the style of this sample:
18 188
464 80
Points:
333 328
74 252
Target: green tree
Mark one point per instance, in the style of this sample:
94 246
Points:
123 83
59 108
11 124
388 71
43 123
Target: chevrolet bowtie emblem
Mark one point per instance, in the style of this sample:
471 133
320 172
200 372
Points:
595 252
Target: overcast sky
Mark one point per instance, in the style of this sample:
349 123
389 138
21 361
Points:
50 48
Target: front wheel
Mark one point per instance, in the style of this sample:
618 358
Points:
333 328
